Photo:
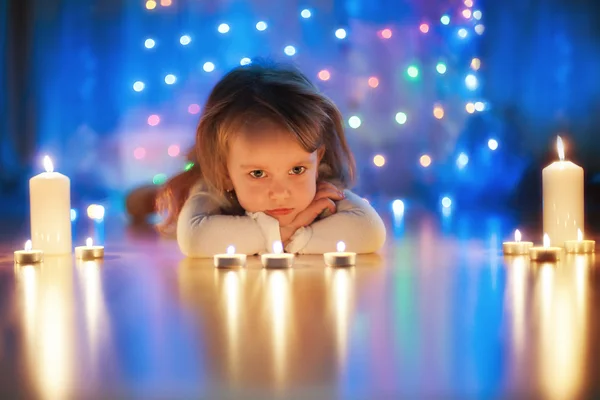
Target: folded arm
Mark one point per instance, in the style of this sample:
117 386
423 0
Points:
203 232
355 223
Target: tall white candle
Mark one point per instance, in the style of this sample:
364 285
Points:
562 183
50 211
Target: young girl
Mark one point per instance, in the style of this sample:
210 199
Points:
272 164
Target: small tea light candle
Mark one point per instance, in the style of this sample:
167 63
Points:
89 251
546 253
277 259
580 246
517 247
340 258
230 259
28 256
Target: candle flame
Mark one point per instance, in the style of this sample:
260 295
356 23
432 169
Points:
89 242
517 235
48 166
579 235
277 247
230 250
546 240
560 147
28 245
341 246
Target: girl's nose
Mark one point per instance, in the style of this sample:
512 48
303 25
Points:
279 192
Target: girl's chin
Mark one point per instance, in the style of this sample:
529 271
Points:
284 219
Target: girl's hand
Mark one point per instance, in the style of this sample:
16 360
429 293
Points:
324 199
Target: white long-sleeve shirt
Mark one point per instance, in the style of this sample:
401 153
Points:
203 230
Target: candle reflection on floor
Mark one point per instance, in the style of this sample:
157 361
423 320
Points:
48 318
230 284
562 331
96 319
280 310
27 277
340 289
518 267
583 262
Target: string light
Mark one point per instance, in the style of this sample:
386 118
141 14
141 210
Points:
425 161
462 33
289 50
139 86
170 79
173 150
492 144
398 207
165 3
151 4
438 111
306 13
159 179
261 25
354 122
139 153
475 64
379 160
193 108
446 202
462 160
477 15
441 68
479 29
96 212
153 120
424 28
340 33
401 118
412 71
471 82
324 75
185 40
386 33
149 43
208 66
467 13
445 20
223 28
470 107
373 82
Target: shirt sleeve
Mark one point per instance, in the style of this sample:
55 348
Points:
202 231
355 223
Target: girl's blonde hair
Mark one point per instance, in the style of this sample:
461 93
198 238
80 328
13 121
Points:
260 91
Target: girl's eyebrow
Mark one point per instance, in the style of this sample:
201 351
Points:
262 167
243 166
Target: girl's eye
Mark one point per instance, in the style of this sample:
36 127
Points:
258 173
297 170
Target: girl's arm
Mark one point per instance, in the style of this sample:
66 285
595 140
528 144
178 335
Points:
203 232
355 223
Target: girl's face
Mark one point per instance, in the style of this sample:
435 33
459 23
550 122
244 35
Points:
271 172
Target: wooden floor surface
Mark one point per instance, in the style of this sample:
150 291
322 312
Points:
439 313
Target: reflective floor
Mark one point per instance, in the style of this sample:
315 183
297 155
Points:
440 313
